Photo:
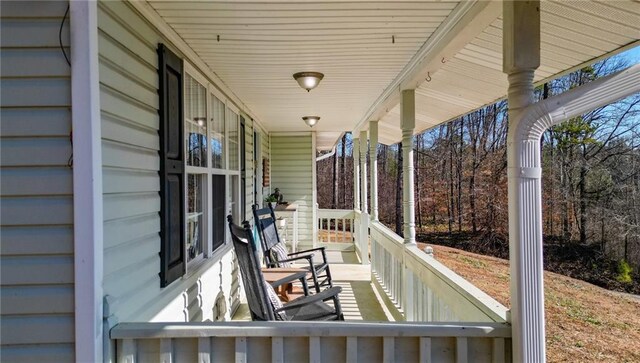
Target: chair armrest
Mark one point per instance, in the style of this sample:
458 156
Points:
305 300
309 259
307 251
312 251
302 275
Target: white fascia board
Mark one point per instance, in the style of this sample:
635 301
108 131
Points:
464 24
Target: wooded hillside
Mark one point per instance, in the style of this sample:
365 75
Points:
591 183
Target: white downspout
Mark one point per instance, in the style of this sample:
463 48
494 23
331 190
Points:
327 155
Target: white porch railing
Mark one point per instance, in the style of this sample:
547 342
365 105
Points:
336 227
312 342
361 241
424 289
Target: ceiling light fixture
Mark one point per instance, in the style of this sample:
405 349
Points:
308 80
311 120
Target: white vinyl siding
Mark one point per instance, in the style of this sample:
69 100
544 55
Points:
265 146
130 144
36 207
249 173
292 163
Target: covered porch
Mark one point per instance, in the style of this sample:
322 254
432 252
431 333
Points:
401 304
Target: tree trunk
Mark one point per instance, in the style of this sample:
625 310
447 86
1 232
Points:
399 193
583 202
416 167
343 171
334 201
473 140
451 204
459 174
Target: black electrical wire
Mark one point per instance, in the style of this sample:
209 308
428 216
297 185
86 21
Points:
60 35
64 18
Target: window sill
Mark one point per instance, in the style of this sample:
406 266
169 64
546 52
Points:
204 263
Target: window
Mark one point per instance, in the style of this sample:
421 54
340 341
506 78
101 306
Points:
199 166
211 127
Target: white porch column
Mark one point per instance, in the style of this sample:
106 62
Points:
373 159
356 173
363 171
87 182
521 46
408 123
364 221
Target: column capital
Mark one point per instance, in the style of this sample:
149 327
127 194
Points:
408 110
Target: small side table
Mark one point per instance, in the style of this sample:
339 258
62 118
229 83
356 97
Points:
286 291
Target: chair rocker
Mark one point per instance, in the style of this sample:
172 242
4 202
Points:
264 303
276 254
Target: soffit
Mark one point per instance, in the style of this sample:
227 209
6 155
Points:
360 46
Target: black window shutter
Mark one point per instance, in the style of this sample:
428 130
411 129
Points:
172 175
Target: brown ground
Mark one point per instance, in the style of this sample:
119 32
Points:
585 323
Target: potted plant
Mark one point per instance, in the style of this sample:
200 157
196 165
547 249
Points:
271 200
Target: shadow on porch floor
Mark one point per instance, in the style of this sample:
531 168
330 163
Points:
359 300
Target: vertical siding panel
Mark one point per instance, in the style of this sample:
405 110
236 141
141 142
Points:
36 215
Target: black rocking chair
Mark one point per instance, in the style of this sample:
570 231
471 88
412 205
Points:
276 254
264 303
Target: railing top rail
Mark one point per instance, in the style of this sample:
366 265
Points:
387 232
284 329
335 213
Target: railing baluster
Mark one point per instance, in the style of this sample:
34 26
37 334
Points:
462 350
277 350
166 351
388 350
127 352
498 350
241 350
204 350
314 350
425 350
352 349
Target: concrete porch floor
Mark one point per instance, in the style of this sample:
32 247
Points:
359 299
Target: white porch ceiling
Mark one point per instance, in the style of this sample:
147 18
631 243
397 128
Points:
262 43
